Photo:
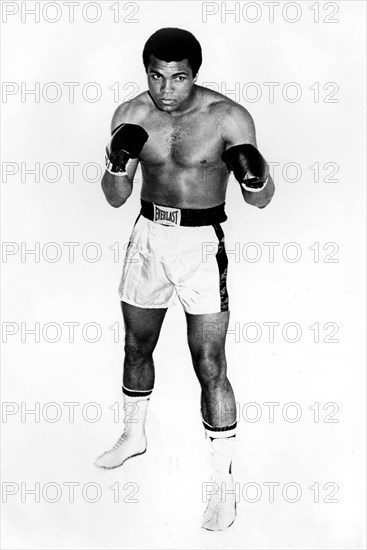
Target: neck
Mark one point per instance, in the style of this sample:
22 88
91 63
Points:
188 104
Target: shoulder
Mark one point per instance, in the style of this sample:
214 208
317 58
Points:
234 120
133 111
231 113
223 106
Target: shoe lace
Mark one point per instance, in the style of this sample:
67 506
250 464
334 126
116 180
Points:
118 443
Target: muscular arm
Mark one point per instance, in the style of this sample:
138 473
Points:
117 189
238 128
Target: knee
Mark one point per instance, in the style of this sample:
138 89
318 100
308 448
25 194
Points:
211 368
137 350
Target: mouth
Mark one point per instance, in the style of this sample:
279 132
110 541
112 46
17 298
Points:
167 101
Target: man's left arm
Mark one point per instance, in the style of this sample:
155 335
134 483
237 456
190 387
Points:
242 156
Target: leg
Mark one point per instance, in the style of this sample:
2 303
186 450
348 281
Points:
142 329
206 337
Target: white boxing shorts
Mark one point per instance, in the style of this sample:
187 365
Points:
168 258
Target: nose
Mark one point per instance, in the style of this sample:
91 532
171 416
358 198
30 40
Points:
166 87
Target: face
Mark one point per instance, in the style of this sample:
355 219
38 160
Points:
170 84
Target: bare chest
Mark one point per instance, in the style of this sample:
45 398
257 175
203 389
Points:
184 141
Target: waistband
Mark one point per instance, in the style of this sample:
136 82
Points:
167 215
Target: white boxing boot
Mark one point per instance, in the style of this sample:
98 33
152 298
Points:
133 441
220 512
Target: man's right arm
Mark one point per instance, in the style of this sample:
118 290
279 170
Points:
117 189
122 154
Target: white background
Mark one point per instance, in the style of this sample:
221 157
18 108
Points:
168 478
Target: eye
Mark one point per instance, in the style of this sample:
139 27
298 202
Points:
180 78
156 76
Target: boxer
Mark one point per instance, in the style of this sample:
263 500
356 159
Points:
187 139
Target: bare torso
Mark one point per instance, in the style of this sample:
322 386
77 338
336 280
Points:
181 161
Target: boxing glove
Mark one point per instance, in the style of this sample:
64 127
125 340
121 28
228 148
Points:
248 165
126 142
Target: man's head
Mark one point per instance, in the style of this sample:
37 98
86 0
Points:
171 44
172 58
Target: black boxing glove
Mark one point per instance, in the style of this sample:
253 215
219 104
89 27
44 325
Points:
248 165
126 143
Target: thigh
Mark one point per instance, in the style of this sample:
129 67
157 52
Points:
142 325
206 334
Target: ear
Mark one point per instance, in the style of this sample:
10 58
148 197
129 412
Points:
196 77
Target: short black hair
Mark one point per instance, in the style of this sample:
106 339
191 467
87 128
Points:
172 44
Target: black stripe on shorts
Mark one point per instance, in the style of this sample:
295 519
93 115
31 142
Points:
222 261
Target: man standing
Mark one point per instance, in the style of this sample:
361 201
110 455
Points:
187 139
